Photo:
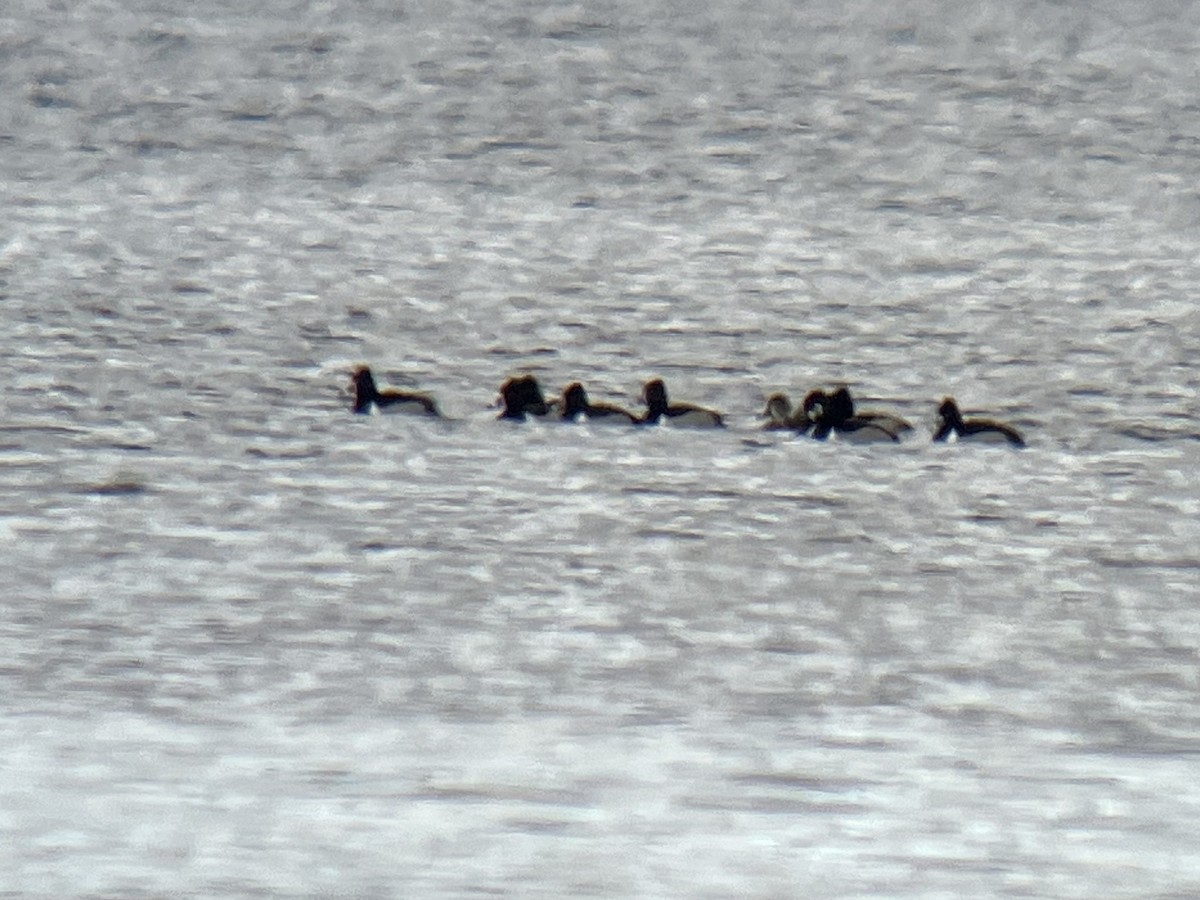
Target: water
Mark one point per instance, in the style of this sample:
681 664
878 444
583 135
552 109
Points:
254 646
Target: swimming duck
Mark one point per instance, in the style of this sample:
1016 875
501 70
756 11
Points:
975 430
781 416
522 395
659 410
833 415
577 407
367 394
839 407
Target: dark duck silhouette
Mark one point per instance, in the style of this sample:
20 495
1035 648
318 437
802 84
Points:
522 396
660 411
367 395
952 424
576 407
833 415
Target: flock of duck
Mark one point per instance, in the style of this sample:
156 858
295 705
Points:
822 415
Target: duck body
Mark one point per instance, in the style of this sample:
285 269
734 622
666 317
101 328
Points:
981 431
897 425
833 416
843 409
576 407
660 411
856 431
522 396
367 395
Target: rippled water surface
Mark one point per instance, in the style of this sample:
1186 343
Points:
252 645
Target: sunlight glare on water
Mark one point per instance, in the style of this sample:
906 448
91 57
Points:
253 645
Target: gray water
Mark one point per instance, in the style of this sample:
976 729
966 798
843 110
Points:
254 646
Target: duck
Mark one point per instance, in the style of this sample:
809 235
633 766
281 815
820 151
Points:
974 430
576 407
833 415
522 396
368 395
840 408
781 416
660 410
